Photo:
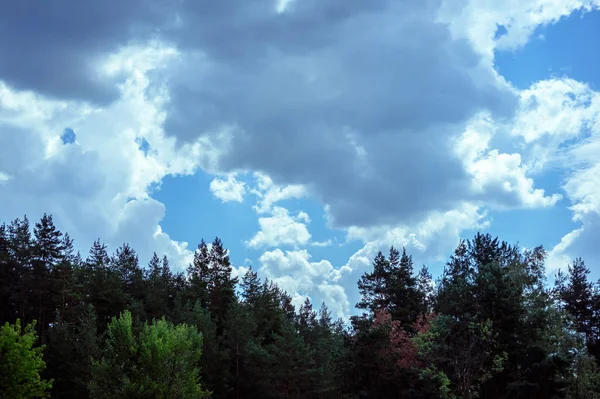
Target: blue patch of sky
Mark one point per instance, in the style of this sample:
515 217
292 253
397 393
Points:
569 48
500 31
193 213
143 145
68 136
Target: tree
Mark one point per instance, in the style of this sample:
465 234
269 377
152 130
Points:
250 287
283 368
578 297
157 288
221 286
198 276
391 286
373 286
406 299
162 362
72 344
47 253
492 301
215 359
103 287
21 364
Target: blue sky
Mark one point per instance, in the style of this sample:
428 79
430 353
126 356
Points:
306 135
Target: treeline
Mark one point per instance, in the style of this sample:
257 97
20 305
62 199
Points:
103 326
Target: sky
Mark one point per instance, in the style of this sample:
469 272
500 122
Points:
306 134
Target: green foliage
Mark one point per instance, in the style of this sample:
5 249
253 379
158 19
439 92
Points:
492 328
21 363
72 344
585 382
162 362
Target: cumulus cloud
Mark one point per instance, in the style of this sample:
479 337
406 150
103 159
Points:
269 193
300 277
382 128
479 20
346 118
96 186
229 189
500 179
559 123
281 229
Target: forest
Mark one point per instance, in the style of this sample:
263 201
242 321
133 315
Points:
102 325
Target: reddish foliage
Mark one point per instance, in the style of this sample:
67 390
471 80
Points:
401 348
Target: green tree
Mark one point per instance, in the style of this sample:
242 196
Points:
102 286
162 362
221 286
72 344
579 297
21 364
156 299
284 368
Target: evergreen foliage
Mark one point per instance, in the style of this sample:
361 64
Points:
107 327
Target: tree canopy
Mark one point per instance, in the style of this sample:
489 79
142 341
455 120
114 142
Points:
106 326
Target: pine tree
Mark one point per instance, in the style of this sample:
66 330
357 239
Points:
20 250
72 344
250 286
126 263
198 276
48 253
221 286
156 299
404 295
103 287
577 297
373 286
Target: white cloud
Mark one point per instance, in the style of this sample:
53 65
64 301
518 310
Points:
98 186
500 179
347 121
269 193
325 243
477 20
281 229
432 237
294 272
228 190
4 177
559 123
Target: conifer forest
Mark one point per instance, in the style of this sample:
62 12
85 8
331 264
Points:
102 325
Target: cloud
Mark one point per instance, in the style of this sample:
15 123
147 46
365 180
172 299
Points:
348 119
479 20
384 128
61 46
229 189
294 272
96 186
500 179
268 193
281 229
301 100
4 177
559 123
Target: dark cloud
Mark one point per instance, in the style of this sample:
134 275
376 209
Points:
54 47
355 99
358 104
